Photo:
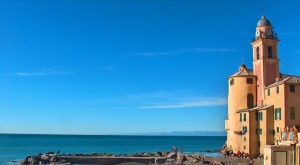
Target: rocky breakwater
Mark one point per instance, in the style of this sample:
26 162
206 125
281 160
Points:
48 158
98 158
127 159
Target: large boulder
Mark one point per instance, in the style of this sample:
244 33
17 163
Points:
45 158
34 162
63 161
53 159
23 162
158 154
181 159
172 155
164 154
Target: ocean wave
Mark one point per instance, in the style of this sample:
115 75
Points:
14 162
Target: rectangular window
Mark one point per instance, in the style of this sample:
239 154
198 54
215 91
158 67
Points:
272 132
261 116
232 82
259 131
241 116
277 89
258 144
249 80
292 88
269 92
244 128
244 139
244 147
244 116
277 129
278 114
292 113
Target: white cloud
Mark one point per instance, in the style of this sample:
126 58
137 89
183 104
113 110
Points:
155 100
200 103
159 95
182 51
174 99
150 54
41 73
211 50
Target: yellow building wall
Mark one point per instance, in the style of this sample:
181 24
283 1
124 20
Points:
237 100
278 100
292 100
243 140
267 126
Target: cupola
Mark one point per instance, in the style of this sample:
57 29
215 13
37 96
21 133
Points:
263 22
242 67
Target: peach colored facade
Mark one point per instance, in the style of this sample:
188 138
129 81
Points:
263 101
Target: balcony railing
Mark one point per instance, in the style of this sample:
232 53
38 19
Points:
274 37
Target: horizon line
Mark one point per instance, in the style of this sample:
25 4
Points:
121 134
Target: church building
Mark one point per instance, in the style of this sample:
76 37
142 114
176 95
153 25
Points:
263 103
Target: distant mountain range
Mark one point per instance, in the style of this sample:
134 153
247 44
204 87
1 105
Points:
183 133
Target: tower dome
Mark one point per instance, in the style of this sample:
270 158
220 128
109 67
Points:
263 22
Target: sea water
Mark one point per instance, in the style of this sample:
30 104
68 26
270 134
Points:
14 147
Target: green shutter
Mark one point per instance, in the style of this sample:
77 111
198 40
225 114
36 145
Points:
245 129
279 113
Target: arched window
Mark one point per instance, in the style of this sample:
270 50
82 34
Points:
257 53
270 52
232 82
250 101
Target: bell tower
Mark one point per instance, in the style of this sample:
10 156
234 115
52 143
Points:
265 57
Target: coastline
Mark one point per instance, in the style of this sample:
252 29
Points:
15 147
140 158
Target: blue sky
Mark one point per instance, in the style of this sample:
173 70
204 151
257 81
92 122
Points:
129 66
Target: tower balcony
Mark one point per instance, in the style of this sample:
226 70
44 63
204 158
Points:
274 37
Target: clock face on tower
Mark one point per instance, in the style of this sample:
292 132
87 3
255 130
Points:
257 33
269 32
